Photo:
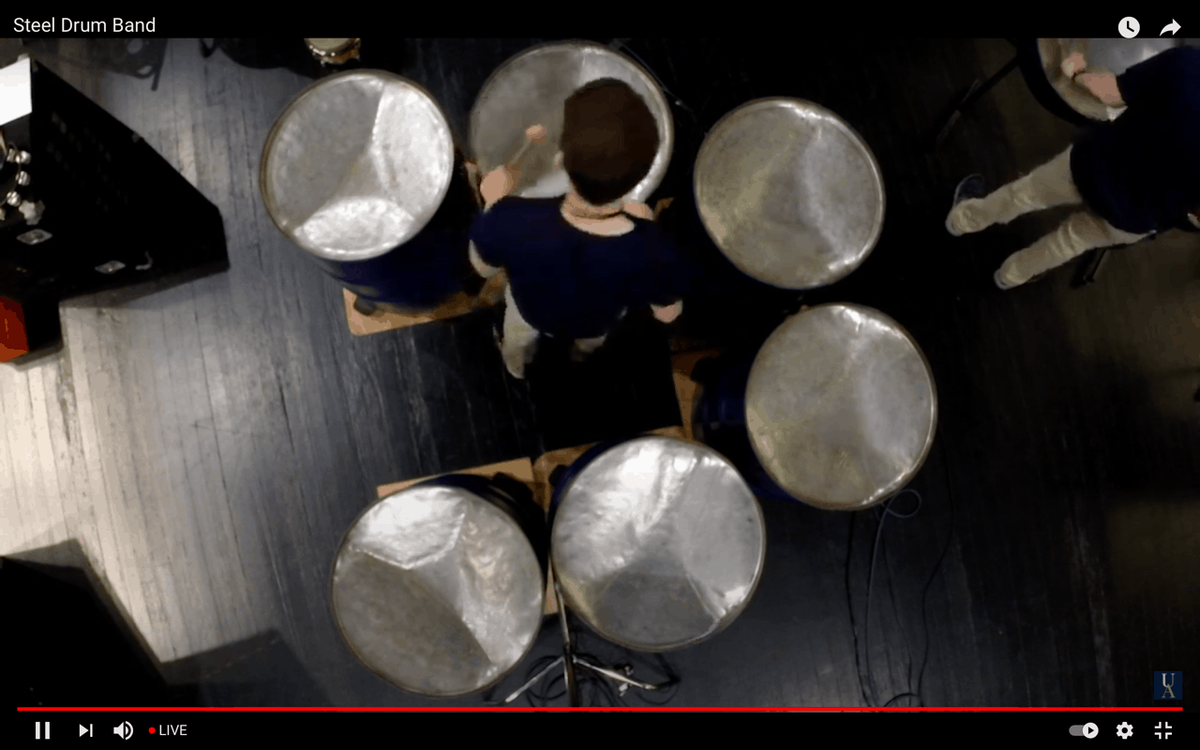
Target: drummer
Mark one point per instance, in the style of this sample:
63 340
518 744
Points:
1135 176
577 264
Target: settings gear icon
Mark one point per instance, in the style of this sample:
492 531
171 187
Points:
1124 730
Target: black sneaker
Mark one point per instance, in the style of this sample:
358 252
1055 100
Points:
971 187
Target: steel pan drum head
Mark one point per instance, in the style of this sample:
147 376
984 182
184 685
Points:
789 193
329 45
658 544
1102 55
357 164
438 591
841 407
532 89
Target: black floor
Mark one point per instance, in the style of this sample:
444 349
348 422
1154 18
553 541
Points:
1064 484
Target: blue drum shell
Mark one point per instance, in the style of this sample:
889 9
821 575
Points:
428 269
719 421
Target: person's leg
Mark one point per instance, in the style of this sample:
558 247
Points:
520 339
1048 185
1082 232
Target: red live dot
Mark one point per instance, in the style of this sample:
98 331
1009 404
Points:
151 730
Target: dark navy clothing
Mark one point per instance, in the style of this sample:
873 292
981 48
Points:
572 284
1141 172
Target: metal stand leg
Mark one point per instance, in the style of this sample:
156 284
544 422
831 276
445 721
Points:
1089 267
570 661
568 651
976 92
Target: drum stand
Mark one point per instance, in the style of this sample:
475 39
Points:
570 661
976 92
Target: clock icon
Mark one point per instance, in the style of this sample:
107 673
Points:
1129 27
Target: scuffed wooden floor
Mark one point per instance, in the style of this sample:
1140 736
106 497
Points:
209 444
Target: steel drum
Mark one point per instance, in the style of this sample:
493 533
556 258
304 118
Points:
334 51
361 171
789 193
657 543
1102 55
532 88
439 589
838 409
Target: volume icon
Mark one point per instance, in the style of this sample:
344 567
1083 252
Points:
124 731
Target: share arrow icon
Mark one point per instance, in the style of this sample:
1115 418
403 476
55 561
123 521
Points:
1172 27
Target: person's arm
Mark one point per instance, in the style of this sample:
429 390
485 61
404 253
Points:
668 314
482 230
1152 81
497 185
481 268
672 275
501 181
1103 86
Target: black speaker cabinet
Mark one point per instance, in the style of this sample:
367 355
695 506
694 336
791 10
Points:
100 210
66 650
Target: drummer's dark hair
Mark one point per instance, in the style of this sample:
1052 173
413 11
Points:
609 140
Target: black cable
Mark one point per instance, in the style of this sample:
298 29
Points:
887 510
620 43
882 515
850 605
668 689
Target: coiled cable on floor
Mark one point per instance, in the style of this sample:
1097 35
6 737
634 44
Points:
887 510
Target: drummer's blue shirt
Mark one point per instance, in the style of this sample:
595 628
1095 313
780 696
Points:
572 284
1141 172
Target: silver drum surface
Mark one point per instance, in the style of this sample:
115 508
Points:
357 164
532 88
658 543
1114 56
790 193
438 591
841 407
334 51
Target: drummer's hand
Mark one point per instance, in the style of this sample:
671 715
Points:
536 133
497 184
1074 64
641 210
1103 86
668 314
